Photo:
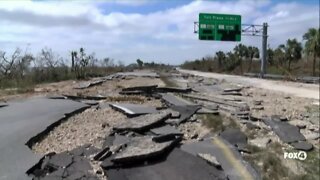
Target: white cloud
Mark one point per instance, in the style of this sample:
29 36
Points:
65 26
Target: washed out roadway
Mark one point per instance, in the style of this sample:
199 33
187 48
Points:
22 120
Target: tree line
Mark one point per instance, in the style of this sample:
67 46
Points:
285 59
24 68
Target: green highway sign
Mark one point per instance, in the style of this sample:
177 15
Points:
219 27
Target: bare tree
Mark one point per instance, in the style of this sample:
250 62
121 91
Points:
7 64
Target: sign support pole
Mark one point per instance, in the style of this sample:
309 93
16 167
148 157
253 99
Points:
264 49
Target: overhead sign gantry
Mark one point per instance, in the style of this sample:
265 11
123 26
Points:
228 27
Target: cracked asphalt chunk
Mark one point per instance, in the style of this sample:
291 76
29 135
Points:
142 148
143 122
177 165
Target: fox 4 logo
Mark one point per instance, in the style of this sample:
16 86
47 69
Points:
301 155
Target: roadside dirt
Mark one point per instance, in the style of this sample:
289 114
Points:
290 88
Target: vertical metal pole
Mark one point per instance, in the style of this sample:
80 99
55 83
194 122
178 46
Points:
264 49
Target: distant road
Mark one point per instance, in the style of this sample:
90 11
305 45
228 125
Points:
292 88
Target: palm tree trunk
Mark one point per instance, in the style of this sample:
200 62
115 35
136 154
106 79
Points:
250 64
314 65
289 65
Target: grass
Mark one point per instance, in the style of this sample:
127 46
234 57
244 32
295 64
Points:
268 161
218 123
311 166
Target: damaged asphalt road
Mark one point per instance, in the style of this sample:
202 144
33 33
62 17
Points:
164 140
22 121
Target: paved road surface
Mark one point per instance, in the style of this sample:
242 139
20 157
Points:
292 88
19 122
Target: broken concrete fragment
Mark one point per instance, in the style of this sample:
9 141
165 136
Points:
82 97
174 114
133 109
223 151
61 160
186 112
299 123
90 102
232 93
103 154
240 105
232 90
120 140
257 102
3 104
254 118
54 97
141 149
286 132
204 110
136 74
143 122
302 145
85 85
172 121
260 142
147 89
312 136
171 99
178 165
234 136
210 159
132 93
259 108
167 129
173 90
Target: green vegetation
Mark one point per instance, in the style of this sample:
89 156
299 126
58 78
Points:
218 123
290 59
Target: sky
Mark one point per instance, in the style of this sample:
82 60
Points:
151 30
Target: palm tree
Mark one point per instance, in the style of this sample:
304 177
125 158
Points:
221 58
253 52
270 56
279 55
241 52
312 45
293 51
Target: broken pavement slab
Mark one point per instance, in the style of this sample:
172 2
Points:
232 89
167 129
178 165
3 104
23 121
302 145
286 132
186 112
88 84
234 136
173 100
137 74
260 142
132 110
146 89
173 90
62 166
141 149
230 159
143 122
